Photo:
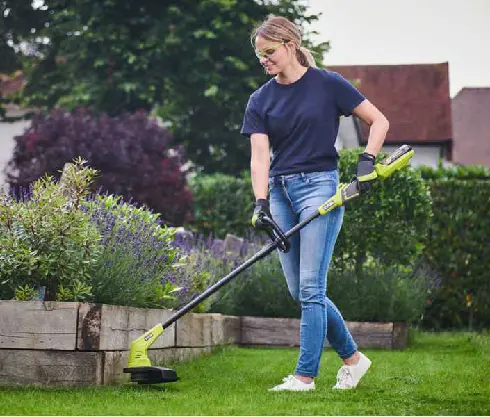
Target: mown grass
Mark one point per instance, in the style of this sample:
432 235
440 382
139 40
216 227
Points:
439 374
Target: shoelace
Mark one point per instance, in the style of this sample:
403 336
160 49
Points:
344 376
287 378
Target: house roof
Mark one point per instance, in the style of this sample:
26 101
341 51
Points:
415 99
471 126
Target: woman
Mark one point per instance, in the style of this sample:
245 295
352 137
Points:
296 115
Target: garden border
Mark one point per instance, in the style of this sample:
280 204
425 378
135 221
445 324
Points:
72 343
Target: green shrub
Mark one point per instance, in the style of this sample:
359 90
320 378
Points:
458 247
389 223
381 292
222 204
46 241
476 172
259 291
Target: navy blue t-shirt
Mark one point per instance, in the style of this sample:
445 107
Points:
301 119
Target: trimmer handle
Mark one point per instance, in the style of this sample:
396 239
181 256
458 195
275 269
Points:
275 233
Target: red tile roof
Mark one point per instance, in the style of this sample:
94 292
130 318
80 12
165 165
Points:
415 99
471 126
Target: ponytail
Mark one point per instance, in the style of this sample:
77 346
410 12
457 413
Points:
305 57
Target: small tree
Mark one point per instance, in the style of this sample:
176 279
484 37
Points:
131 153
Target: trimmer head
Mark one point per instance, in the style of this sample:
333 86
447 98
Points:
139 365
151 374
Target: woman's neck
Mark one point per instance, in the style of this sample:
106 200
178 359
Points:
291 74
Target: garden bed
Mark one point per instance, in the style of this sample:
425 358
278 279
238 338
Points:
71 343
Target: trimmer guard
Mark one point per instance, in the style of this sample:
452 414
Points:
151 374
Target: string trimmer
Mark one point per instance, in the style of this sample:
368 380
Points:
139 365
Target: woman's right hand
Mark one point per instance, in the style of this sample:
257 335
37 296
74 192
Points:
261 209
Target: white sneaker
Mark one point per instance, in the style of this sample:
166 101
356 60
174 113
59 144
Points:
290 383
349 376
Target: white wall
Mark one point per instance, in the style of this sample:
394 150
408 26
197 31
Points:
347 136
7 133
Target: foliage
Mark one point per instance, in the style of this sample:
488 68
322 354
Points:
206 262
389 223
138 262
382 292
45 240
131 153
17 24
81 247
192 61
26 293
461 172
222 204
260 290
458 249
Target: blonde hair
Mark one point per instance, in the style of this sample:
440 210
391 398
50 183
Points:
280 29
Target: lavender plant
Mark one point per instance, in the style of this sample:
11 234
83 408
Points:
138 265
260 290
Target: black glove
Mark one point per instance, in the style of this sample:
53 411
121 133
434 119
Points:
261 209
366 173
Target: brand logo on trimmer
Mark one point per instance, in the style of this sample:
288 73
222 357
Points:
328 205
148 337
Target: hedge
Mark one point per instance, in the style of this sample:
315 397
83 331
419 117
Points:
458 247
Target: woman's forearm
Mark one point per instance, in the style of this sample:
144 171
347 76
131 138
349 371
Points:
259 165
378 126
377 135
259 168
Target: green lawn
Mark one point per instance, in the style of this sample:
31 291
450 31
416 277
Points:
446 374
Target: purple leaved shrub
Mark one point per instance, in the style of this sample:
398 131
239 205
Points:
131 152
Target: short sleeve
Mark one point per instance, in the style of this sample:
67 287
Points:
347 97
253 121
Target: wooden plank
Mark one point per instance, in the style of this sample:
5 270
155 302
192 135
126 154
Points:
400 335
38 325
371 335
47 367
194 330
285 332
225 329
207 329
108 327
269 331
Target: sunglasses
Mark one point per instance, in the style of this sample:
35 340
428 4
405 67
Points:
269 51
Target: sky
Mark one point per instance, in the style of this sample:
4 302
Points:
409 32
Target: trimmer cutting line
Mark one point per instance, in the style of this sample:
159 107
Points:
139 365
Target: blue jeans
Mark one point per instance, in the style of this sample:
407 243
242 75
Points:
294 198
